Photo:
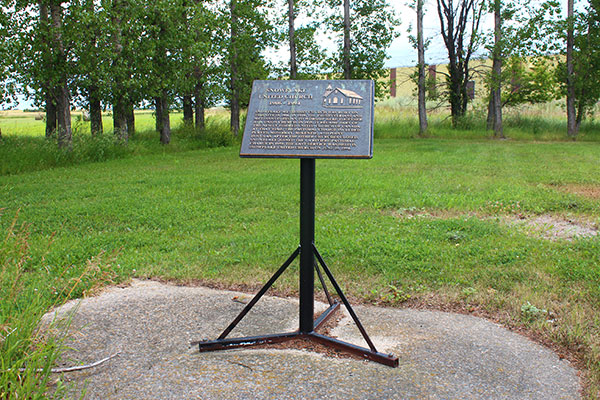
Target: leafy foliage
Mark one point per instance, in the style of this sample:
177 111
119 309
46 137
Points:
586 25
372 28
525 84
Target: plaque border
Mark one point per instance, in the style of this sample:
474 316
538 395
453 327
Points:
319 156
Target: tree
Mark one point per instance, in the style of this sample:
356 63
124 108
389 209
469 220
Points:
575 42
42 60
572 127
117 14
292 37
494 120
44 63
168 34
234 50
459 27
306 56
346 49
91 50
7 87
579 73
202 72
364 32
63 96
421 87
250 33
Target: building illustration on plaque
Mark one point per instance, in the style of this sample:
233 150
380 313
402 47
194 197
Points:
341 98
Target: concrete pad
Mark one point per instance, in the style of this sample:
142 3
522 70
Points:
442 355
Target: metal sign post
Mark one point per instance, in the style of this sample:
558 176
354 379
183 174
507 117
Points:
307 120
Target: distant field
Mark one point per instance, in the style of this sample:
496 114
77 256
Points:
22 123
394 118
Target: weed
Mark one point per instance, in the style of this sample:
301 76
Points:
531 312
468 292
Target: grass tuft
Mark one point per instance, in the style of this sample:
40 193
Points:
29 286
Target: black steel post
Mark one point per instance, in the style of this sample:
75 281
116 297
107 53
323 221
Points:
307 238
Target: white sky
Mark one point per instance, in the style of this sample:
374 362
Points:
401 52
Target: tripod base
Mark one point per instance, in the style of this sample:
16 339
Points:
222 343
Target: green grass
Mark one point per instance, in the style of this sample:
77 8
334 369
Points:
24 153
209 215
424 219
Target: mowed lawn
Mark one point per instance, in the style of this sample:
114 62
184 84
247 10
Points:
439 222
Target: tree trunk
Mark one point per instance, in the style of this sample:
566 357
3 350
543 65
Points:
165 132
118 94
158 114
346 51
120 120
95 111
63 117
235 92
291 18
94 101
199 105
421 60
63 101
497 71
50 114
571 114
490 112
188 110
48 87
130 118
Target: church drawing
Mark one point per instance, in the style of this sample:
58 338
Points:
341 98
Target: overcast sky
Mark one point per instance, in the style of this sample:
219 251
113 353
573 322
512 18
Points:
401 52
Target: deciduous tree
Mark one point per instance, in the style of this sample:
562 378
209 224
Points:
250 33
459 21
364 31
494 120
421 85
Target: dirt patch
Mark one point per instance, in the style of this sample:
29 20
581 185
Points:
590 191
555 228
546 226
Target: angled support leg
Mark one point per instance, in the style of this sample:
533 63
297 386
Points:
326 315
320 275
219 343
344 300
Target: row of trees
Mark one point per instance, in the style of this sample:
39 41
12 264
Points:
192 54
564 48
188 54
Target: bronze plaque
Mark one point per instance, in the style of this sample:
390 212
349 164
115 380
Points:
310 119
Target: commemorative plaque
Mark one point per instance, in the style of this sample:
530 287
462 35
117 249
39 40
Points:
310 119
307 120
